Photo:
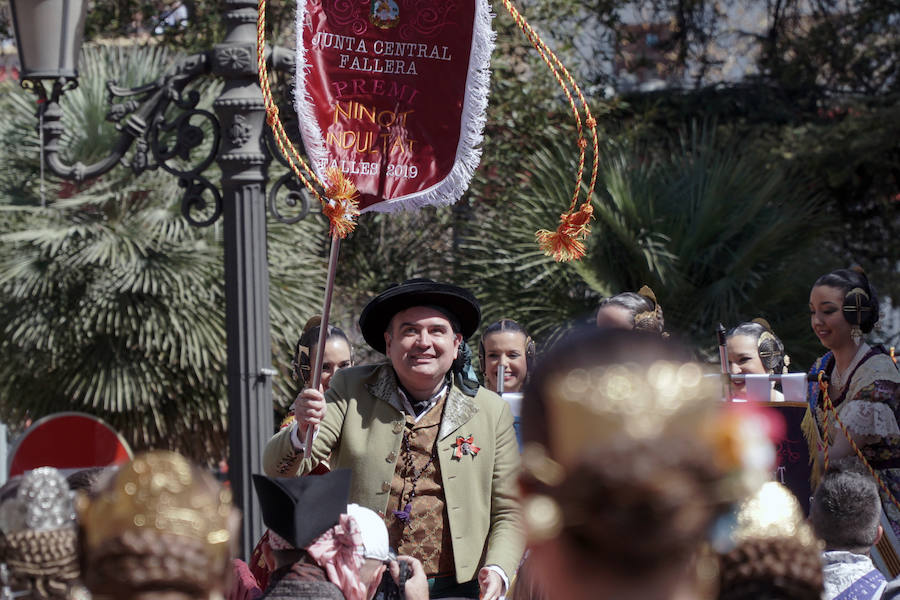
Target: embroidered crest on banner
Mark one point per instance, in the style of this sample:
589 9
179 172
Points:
385 14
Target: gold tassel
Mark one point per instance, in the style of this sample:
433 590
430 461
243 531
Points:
811 433
342 207
567 242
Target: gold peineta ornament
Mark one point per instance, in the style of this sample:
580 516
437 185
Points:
649 320
773 512
596 407
640 402
159 492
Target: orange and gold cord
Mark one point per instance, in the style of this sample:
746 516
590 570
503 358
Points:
567 242
564 244
339 202
830 410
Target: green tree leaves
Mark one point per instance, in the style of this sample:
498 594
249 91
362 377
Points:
112 303
715 232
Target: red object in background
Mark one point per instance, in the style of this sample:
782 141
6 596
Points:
393 93
68 440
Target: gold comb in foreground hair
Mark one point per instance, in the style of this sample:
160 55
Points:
773 512
160 492
601 419
587 405
592 408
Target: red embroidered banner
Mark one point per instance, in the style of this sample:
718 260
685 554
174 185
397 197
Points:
393 93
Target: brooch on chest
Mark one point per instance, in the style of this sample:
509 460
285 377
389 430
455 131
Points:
465 447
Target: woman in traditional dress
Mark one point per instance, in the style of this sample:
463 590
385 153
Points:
862 392
753 349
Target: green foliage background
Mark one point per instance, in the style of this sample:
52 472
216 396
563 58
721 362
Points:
727 197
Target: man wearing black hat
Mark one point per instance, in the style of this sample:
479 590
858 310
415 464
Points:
432 452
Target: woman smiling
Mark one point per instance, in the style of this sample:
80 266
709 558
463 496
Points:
863 389
753 349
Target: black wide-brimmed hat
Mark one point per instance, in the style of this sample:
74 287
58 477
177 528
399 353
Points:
300 509
456 301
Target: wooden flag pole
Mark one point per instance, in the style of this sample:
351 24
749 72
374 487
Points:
323 332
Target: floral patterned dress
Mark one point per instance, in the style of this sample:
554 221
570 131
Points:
869 406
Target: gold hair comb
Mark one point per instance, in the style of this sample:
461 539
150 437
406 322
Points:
773 512
638 401
159 491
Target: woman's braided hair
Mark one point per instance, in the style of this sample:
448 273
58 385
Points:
771 569
638 507
151 561
43 562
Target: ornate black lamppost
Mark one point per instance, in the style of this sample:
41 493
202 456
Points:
161 141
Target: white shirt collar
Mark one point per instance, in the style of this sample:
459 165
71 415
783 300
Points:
407 406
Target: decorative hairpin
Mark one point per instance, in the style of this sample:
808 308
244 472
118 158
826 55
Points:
771 512
649 320
856 296
646 292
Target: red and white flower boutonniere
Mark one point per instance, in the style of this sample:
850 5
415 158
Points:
465 446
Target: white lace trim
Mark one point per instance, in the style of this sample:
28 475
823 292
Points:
869 418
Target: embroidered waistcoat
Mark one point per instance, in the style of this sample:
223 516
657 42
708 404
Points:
422 535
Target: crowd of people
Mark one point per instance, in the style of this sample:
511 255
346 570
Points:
611 466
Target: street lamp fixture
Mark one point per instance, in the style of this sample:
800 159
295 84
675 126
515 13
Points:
161 127
48 57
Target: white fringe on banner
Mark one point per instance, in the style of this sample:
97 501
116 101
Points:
474 115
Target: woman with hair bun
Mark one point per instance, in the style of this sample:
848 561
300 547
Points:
629 310
862 390
754 349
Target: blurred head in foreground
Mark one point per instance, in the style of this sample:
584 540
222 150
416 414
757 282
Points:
629 460
771 552
158 528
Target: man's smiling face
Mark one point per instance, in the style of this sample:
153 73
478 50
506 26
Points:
421 345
